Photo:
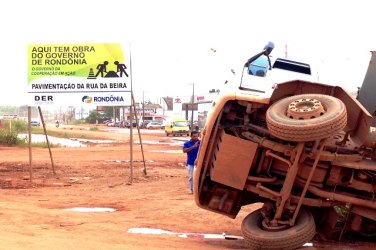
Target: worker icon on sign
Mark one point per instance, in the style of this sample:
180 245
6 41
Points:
120 67
102 68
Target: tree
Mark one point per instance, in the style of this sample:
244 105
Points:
95 116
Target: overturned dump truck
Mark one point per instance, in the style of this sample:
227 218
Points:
304 149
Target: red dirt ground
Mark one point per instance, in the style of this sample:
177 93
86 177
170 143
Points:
33 212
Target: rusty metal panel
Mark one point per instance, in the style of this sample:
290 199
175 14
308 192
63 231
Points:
232 161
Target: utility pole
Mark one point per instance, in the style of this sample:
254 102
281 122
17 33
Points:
286 55
192 104
143 109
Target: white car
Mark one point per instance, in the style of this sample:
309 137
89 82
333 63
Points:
154 125
35 123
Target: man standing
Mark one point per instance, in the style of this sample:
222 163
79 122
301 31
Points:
191 149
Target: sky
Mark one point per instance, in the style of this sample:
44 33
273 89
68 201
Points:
175 44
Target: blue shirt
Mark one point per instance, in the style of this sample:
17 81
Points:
191 155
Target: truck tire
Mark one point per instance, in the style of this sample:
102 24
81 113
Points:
306 117
290 238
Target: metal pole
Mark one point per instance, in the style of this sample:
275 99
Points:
113 113
143 110
192 104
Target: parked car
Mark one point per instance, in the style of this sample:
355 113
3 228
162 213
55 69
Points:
154 125
303 149
134 124
35 123
110 124
143 124
105 122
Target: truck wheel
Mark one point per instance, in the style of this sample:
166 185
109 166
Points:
306 117
289 238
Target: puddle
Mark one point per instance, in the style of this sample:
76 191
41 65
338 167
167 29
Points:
77 143
143 230
180 139
62 142
135 131
120 161
94 141
91 209
150 142
223 236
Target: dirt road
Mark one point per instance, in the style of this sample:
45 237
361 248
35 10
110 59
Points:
46 211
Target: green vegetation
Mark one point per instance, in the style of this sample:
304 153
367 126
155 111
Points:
11 129
9 132
95 116
8 137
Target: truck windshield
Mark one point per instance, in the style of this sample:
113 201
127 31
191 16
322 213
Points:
259 66
180 124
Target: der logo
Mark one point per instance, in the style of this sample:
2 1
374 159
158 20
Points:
43 98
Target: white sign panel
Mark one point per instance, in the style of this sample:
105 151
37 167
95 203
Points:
177 105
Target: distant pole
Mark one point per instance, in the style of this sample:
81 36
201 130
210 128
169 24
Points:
286 53
143 109
192 104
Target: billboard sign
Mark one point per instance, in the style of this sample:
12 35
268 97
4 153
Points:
177 105
78 74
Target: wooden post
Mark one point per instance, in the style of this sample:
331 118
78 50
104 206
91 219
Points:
48 143
139 134
30 152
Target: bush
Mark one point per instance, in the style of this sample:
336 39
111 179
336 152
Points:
10 130
15 125
19 126
8 137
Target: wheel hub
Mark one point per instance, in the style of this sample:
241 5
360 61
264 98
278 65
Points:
304 109
266 225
